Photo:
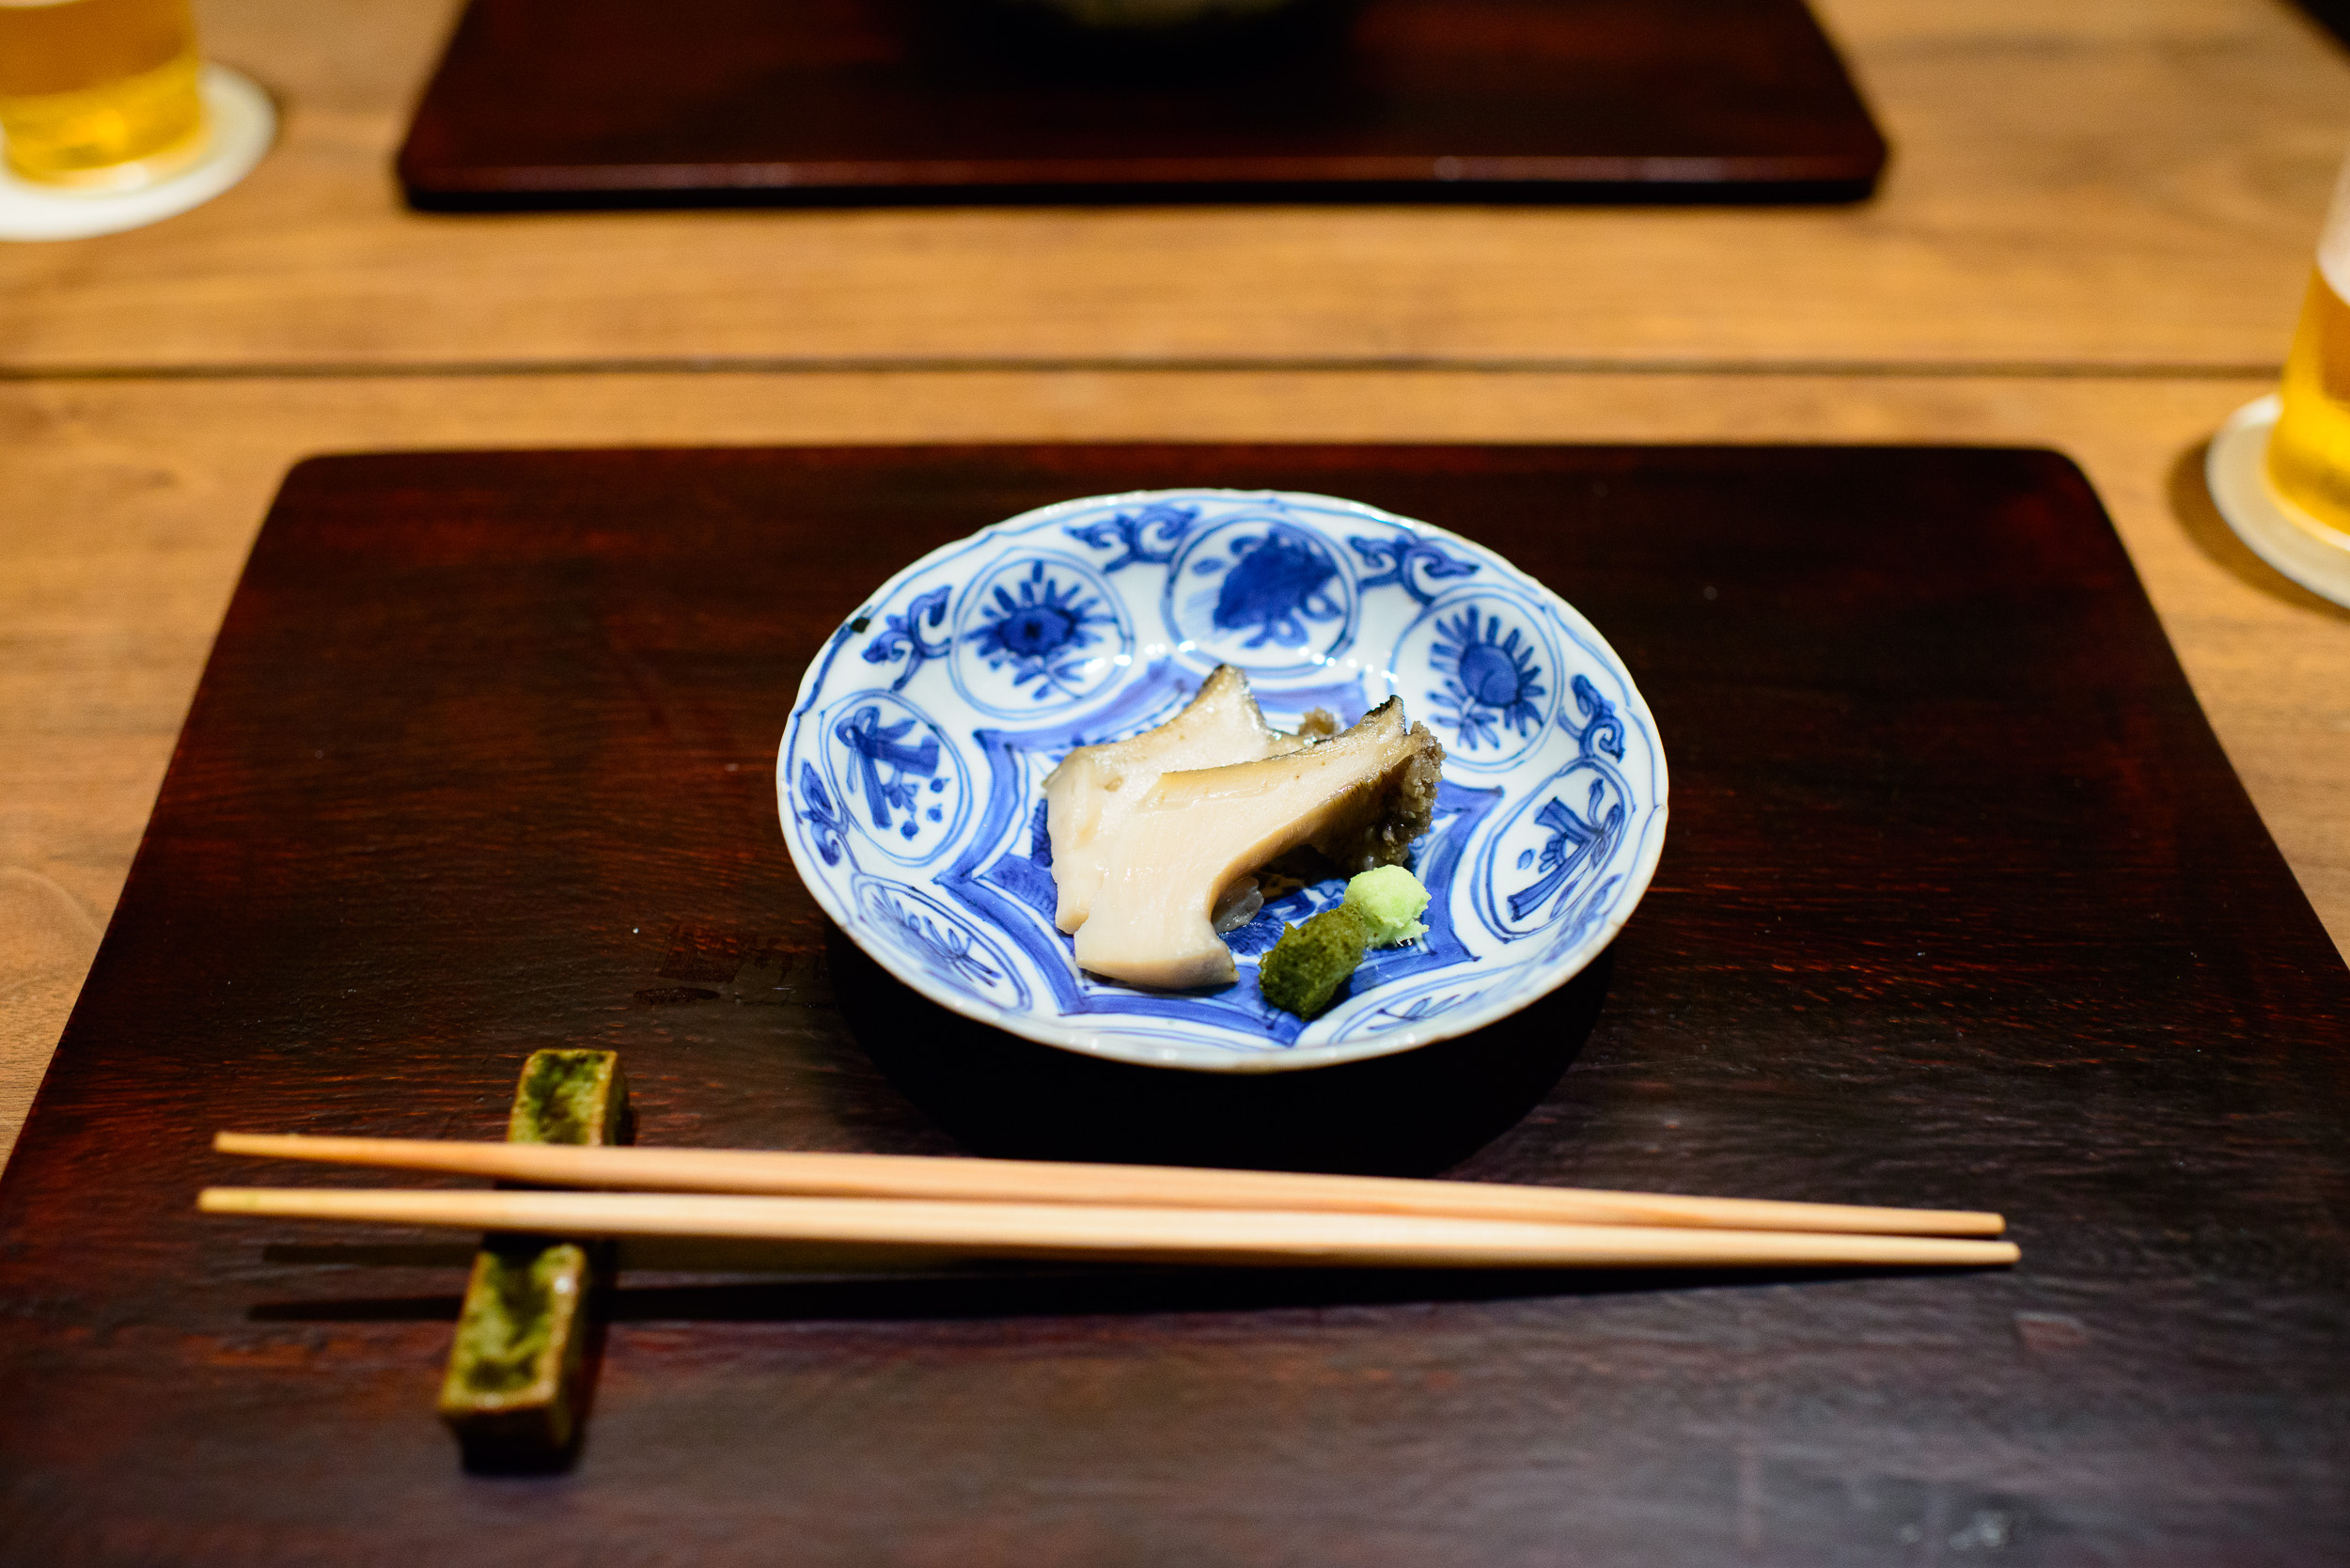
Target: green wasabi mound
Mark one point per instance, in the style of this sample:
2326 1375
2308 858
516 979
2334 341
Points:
1392 899
1308 965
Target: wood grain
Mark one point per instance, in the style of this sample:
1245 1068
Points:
131 505
1962 902
2111 183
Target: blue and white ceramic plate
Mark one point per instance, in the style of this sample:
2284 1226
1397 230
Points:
911 776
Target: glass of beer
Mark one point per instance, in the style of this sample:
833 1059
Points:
99 94
2309 454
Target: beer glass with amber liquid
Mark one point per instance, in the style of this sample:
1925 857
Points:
2308 453
99 94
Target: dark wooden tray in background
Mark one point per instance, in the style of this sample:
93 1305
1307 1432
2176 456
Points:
1961 906
618 102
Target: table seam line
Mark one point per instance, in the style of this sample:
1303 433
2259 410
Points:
1114 364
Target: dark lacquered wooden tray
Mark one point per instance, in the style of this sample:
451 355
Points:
614 103
1961 906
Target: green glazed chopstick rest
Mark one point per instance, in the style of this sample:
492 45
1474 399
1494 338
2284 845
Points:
516 1385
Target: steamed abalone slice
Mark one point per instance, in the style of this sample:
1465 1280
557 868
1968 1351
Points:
1360 798
1091 795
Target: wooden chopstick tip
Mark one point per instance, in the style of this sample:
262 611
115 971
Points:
265 1145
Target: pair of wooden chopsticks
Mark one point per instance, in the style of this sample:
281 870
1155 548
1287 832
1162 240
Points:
1109 1213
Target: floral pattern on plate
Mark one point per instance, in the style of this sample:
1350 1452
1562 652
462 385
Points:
1039 634
1481 668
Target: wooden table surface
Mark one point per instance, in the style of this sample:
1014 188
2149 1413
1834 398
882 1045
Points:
2094 236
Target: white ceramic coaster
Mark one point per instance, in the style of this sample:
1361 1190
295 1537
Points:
243 124
2279 532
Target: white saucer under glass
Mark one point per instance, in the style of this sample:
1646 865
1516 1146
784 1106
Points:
241 124
2286 537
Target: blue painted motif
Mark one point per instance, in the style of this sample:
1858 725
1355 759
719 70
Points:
1267 595
947 948
1398 559
887 765
1419 1007
1039 627
1583 815
1029 877
897 778
1573 840
824 822
901 635
1491 682
1273 585
941 943
1391 1016
1131 533
1578 918
1602 729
